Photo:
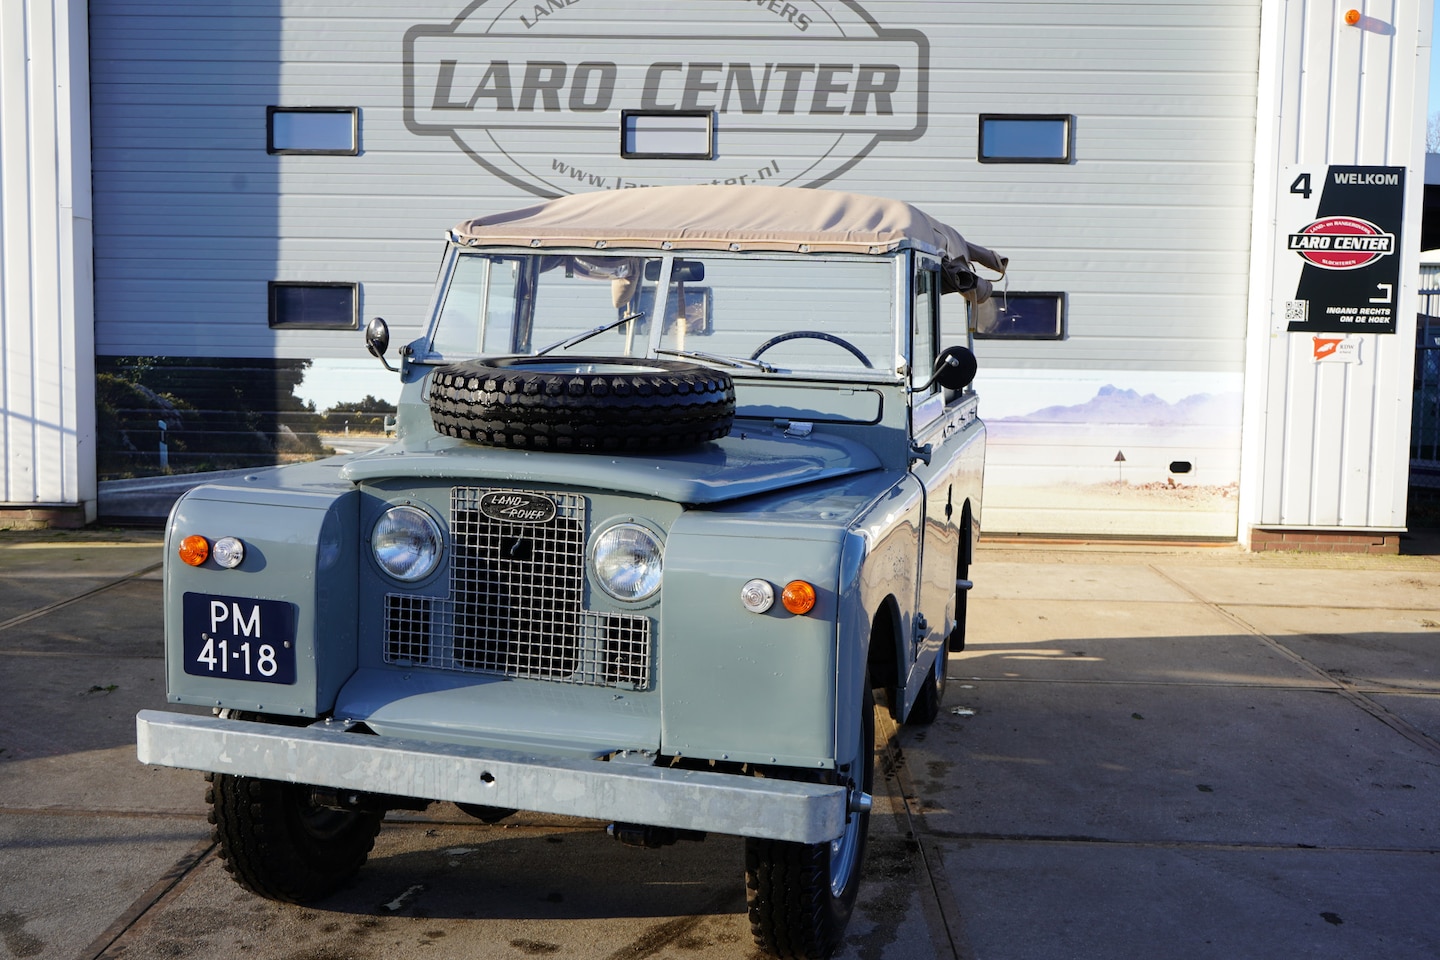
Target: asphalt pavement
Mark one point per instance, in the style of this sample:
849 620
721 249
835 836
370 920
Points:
1145 752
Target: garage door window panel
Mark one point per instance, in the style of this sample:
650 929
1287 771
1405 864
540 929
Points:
1026 138
324 131
298 305
1021 316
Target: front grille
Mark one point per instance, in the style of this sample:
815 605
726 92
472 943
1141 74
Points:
516 604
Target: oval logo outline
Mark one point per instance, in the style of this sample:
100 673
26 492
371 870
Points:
517 506
1341 243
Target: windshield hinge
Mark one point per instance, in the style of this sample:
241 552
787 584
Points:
796 428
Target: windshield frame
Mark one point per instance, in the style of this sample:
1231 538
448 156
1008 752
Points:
887 369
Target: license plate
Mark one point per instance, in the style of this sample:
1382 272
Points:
238 638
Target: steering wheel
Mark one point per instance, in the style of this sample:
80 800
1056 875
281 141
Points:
813 335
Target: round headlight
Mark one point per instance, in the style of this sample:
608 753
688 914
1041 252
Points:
407 543
628 561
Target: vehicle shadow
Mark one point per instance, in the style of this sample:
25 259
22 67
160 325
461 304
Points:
448 868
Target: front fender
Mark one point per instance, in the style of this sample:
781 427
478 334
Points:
301 547
886 567
739 686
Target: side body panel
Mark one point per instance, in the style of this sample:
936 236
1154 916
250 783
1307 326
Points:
952 479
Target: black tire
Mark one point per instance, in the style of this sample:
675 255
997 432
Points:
582 404
278 844
932 691
799 895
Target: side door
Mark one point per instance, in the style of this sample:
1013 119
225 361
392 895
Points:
936 444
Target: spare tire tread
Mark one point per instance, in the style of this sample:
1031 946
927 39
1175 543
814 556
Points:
546 403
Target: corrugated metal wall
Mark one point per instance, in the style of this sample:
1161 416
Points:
194 217
1146 232
1327 442
46 359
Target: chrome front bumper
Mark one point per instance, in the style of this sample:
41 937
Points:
616 791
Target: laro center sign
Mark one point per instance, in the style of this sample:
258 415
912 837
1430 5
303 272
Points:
1339 269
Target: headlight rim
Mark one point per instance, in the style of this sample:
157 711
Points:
431 523
594 558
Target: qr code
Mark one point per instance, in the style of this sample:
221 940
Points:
1297 310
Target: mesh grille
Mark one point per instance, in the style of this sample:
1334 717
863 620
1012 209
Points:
516 604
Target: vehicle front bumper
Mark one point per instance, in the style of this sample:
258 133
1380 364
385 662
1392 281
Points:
617 791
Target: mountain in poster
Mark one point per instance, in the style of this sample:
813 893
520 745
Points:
1118 405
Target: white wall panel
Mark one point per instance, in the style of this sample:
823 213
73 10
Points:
1327 442
47 417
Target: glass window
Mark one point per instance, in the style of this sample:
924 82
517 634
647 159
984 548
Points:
805 314
317 130
1021 316
314 306
1026 138
801 314
501 304
457 332
667 135
923 337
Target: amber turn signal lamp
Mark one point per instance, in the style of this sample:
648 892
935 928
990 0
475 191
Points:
798 597
1352 17
194 549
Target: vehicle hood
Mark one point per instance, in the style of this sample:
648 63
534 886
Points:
746 463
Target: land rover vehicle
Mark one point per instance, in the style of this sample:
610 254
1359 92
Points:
682 475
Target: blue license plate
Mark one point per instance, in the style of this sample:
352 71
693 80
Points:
238 638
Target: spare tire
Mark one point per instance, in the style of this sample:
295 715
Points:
582 404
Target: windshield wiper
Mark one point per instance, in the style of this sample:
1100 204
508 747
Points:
726 361
582 337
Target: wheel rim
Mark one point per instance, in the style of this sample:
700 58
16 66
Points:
843 853
845 849
322 823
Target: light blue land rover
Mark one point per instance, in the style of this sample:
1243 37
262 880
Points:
681 475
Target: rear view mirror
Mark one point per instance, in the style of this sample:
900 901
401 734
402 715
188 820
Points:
954 369
377 340
683 271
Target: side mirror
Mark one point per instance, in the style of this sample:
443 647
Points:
954 369
377 340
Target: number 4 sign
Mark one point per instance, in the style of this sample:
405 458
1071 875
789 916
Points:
1338 263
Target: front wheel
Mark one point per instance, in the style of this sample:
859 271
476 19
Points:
800 895
277 843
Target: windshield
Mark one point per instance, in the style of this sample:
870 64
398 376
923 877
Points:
802 314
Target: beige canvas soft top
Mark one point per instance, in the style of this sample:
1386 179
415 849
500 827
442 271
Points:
713 217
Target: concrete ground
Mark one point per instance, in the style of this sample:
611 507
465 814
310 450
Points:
1145 752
